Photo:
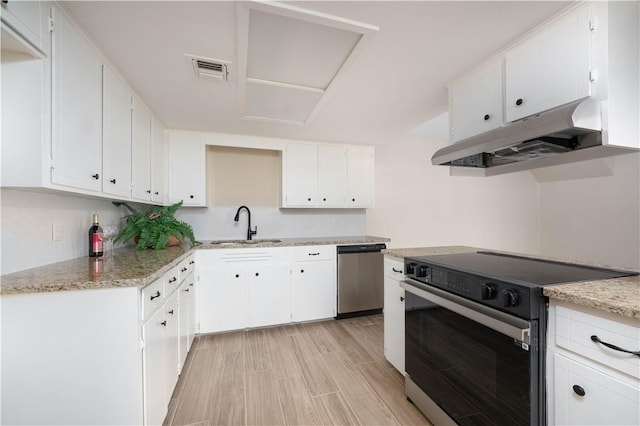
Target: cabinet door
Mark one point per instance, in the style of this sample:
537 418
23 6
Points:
332 176
192 320
222 299
585 396
116 135
187 169
300 186
360 177
25 18
172 343
393 314
269 295
185 303
314 290
154 364
141 152
551 68
159 166
77 108
475 104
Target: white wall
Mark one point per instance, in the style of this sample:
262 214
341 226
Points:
418 204
594 219
27 219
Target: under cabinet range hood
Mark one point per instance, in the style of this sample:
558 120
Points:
544 139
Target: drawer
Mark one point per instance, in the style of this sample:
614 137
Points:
172 280
152 297
310 253
393 268
575 326
186 266
234 256
586 396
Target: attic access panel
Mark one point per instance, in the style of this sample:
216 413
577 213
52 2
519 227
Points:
293 58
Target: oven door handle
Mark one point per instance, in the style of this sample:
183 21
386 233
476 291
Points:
506 324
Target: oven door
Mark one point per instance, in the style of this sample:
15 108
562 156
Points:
466 363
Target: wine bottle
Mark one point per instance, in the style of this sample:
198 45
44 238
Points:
95 238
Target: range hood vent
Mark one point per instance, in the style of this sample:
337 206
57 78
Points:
211 68
571 127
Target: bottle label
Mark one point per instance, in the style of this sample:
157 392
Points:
97 242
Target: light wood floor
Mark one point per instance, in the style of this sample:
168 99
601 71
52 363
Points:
329 372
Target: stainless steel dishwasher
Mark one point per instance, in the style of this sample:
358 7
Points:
360 280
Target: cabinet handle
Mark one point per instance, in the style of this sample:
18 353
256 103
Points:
302 271
171 312
173 280
113 181
324 199
519 101
191 196
396 270
192 262
579 390
187 290
183 270
487 117
257 274
314 254
191 284
156 193
148 191
596 339
96 176
163 323
155 296
402 298
308 199
353 199
237 275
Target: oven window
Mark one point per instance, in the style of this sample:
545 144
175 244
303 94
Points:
475 374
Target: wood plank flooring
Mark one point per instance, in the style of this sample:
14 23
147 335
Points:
319 373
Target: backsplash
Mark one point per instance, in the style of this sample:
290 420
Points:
216 223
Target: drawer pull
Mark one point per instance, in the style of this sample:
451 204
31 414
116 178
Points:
396 270
183 270
173 280
154 296
314 254
401 299
596 339
579 390
192 262
163 323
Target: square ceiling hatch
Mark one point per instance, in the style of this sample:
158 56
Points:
292 57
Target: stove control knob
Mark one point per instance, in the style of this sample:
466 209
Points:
488 291
510 298
421 271
410 268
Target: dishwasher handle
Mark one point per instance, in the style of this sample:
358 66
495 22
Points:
361 248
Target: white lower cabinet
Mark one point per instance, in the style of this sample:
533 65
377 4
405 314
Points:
314 283
592 384
172 339
187 317
269 295
222 298
154 365
394 313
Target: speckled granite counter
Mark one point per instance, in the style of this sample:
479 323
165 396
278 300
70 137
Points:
620 296
290 242
129 268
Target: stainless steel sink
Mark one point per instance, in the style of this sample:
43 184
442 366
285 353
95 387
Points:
243 242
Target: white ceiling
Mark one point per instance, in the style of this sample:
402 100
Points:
395 84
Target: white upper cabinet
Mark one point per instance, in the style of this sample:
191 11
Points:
77 108
300 180
328 176
475 104
26 20
187 169
141 152
116 137
550 68
360 177
332 174
159 164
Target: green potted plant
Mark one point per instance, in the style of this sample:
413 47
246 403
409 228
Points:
157 228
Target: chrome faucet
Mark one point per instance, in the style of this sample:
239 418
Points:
250 233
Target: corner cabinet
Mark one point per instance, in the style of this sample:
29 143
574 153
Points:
328 176
394 313
187 168
592 384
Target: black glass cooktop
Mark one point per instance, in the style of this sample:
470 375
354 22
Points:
517 269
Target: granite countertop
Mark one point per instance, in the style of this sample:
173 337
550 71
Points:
620 296
126 267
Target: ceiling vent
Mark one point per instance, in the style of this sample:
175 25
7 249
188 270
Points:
210 68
